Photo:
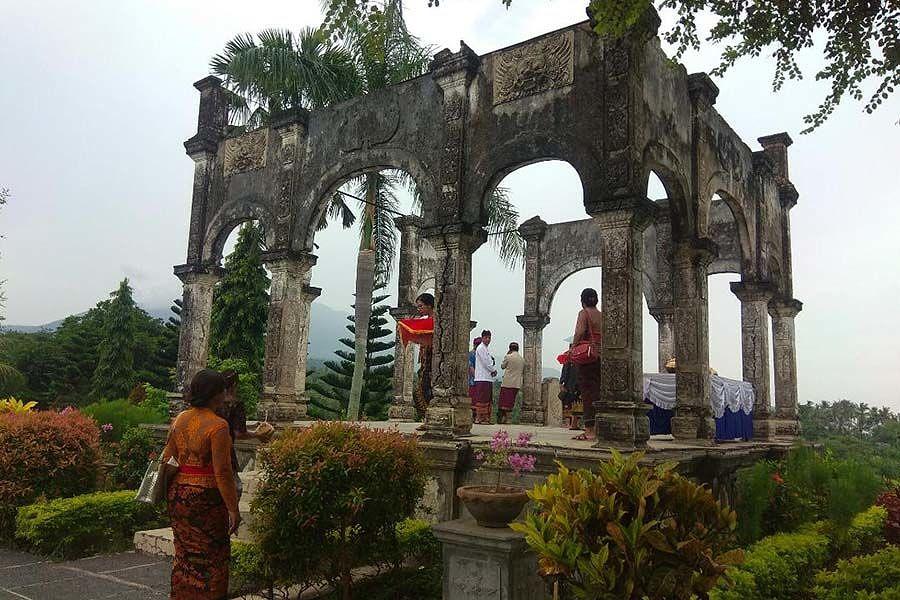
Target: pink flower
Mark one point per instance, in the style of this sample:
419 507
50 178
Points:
67 410
521 462
106 427
479 455
500 440
524 439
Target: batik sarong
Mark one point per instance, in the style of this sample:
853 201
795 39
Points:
202 544
482 401
507 398
423 392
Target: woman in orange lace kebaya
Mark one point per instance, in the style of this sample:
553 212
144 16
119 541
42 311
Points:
202 498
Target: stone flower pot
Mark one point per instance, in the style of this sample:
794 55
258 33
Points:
493 506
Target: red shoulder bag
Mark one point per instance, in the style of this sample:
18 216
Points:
587 351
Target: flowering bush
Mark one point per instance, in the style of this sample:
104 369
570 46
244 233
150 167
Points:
504 454
332 497
45 454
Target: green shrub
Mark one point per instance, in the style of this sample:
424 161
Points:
332 495
872 577
629 532
135 451
45 454
781 567
805 487
416 541
84 525
122 415
249 382
156 400
865 535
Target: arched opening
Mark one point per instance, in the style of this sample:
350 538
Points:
553 191
240 309
357 245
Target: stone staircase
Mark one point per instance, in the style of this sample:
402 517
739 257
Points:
160 542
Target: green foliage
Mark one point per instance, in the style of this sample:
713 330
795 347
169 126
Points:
156 400
114 375
781 567
629 532
241 302
865 534
873 577
844 418
134 452
331 391
85 525
45 454
333 494
249 381
58 366
803 488
122 415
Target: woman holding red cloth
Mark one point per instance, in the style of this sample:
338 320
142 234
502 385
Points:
421 331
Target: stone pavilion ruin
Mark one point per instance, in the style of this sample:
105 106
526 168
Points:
614 110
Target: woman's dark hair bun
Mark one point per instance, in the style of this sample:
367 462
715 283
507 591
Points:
206 385
426 299
589 297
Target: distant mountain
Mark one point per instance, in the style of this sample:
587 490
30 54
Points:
327 325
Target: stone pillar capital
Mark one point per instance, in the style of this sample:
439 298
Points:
753 291
456 236
312 292
702 89
292 116
288 259
634 211
663 314
194 273
533 322
699 252
533 229
785 308
409 221
452 69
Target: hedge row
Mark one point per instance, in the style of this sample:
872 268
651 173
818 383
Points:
784 566
85 525
872 577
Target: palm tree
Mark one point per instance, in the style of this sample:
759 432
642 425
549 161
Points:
279 70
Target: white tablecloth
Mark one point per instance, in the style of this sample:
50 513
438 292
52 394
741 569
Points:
659 389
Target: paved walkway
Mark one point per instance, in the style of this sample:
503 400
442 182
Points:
125 576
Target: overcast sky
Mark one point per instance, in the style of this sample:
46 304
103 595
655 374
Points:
97 100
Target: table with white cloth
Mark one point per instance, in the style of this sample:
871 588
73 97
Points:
731 402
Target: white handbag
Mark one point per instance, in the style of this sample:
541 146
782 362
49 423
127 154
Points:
155 483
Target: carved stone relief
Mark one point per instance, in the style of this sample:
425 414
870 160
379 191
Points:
364 128
534 68
246 152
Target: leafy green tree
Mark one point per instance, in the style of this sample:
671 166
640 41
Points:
115 376
862 38
331 391
241 302
10 378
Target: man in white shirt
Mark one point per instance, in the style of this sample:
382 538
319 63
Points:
485 371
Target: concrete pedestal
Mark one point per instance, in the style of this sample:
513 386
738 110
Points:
487 564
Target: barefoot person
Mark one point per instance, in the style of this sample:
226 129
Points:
422 395
202 498
587 329
483 398
513 366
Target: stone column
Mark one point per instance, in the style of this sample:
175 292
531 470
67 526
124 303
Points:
533 408
665 320
621 416
787 420
754 297
289 304
196 311
402 407
693 416
309 294
450 411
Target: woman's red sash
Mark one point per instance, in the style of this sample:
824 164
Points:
194 470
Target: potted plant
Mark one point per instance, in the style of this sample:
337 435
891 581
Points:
497 505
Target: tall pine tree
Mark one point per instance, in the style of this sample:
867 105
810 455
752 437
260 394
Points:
114 376
331 391
241 303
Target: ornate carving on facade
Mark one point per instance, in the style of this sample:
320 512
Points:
363 128
534 68
246 152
